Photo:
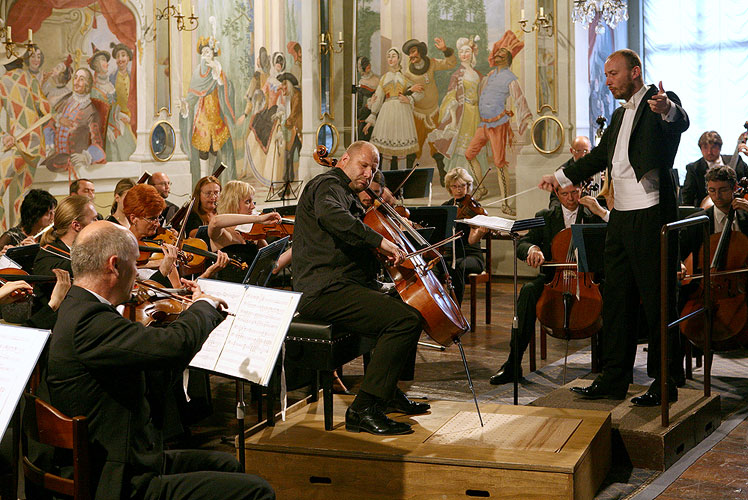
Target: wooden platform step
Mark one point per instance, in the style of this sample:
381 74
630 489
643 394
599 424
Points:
522 453
637 434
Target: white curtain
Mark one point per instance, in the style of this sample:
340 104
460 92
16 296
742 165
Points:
699 50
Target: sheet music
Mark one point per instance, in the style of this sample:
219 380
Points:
20 348
494 223
6 262
247 345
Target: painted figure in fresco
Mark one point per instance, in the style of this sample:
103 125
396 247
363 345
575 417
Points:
75 137
55 83
207 114
121 141
295 50
496 111
394 130
421 71
24 104
367 85
293 124
102 92
458 113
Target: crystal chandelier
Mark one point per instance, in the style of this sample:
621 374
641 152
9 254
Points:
611 12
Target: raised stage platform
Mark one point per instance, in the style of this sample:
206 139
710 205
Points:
523 452
638 436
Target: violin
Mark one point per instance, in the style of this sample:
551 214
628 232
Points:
191 253
264 231
469 207
729 264
153 304
14 274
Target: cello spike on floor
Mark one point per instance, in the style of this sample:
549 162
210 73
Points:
470 380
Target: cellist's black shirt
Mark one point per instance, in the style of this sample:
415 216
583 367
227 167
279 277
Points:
332 246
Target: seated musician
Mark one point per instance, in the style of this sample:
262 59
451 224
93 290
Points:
535 249
112 371
206 194
143 206
37 212
117 214
694 186
335 268
71 216
463 256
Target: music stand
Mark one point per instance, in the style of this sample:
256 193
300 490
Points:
589 240
284 190
284 211
262 266
441 218
417 186
24 256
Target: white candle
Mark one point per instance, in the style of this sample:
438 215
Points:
340 36
31 36
541 12
179 10
10 37
522 14
193 11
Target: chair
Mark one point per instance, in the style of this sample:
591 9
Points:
474 280
46 425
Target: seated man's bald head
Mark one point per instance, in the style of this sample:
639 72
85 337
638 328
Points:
96 243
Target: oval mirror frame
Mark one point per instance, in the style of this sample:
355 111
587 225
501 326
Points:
163 140
327 135
546 129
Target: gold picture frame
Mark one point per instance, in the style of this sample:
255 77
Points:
547 134
163 140
334 136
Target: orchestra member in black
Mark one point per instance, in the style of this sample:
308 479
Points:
161 182
114 371
637 150
37 212
335 268
694 186
117 213
535 249
580 146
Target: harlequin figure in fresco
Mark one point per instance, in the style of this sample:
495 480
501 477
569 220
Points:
367 85
458 113
207 113
24 104
420 71
391 117
120 137
75 137
496 111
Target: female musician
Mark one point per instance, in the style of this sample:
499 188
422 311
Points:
206 193
117 214
464 256
37 212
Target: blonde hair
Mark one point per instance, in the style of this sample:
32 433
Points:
232 195
68 210
122 187
458 173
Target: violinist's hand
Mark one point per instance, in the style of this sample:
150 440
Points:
170 258
394 253
28 240
548 183
740 203
221 260
11 290
535 257
660 102
61 288
270 218
5 249
595 207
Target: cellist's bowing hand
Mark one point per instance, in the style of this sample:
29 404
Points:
535 257
170 258
740 203
269 218
395 254
683 271
660 102
548 183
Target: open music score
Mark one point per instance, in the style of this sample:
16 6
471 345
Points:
502 224
247 345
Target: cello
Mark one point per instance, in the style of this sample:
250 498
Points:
729 302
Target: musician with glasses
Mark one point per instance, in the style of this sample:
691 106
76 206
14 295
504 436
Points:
206 194
694 186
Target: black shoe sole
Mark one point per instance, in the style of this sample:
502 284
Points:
357 428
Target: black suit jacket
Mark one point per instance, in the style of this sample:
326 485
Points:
554 224
103 366
652 146
694 186
691 238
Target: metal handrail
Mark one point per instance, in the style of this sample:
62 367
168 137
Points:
706 309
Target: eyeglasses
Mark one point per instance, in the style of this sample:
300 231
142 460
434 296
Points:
210 194
580 151
459 186
151 220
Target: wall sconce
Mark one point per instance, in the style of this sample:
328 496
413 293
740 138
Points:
542 22
176 12
10 45
325 43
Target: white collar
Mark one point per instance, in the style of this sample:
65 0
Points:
635 99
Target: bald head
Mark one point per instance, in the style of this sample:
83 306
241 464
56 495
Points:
96 243
161 182
580 146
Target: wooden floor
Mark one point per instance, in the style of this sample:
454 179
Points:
719 474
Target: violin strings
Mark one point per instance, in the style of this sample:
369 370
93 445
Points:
509 197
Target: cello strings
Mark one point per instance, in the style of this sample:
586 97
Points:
509 197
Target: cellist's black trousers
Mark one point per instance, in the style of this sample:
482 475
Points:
632 274
395 325
527 299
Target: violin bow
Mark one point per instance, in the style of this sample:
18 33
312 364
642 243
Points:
481 181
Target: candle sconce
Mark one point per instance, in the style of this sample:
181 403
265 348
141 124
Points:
326 45
11 46
176 12
543 22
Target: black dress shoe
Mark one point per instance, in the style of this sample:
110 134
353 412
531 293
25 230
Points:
505 375
401 404
653 398
374 421
597 390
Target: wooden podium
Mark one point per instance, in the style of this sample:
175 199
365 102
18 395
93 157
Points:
523 453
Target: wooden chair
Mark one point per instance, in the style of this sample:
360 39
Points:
594 344
474 280
46 425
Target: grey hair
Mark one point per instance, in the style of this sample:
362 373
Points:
90 254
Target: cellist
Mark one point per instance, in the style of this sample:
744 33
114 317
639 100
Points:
334 267
535 248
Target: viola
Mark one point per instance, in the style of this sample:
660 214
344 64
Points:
264 231
570 306
14 274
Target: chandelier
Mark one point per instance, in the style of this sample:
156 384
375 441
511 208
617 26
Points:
611 13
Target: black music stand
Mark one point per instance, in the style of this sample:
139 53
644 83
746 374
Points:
589 240
284 190
417 186
440 218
